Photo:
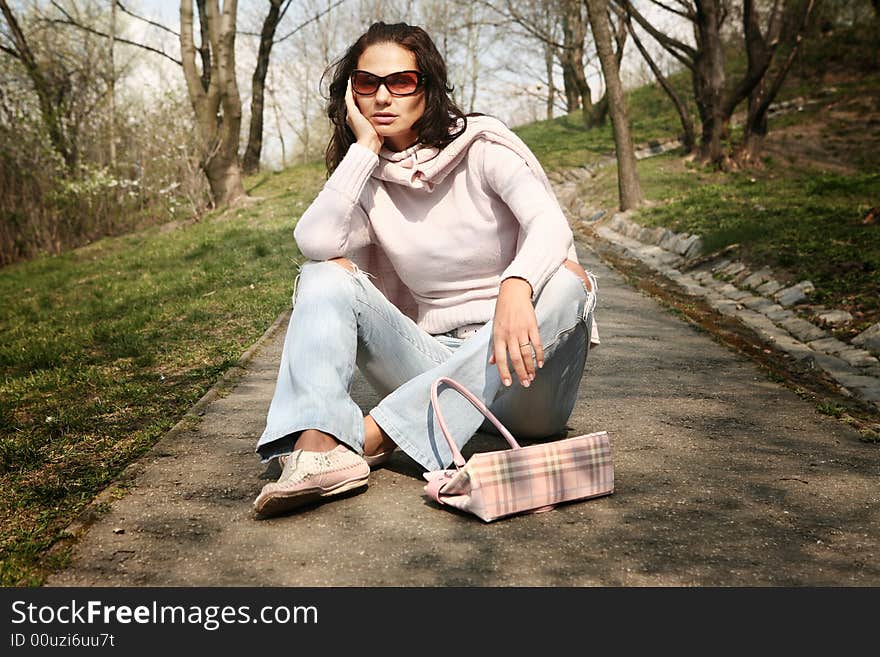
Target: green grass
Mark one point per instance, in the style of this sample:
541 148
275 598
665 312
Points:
106 347
803 223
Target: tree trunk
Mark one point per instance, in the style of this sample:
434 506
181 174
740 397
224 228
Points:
251 161
280 131
217 109
112 89
204 44
748 153
628 184
600 109
759 54
572 97
472 51
706 64
551 86
577 90
764 93
709 79
586 97
876 4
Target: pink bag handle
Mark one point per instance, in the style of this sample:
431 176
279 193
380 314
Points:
432 488
457 458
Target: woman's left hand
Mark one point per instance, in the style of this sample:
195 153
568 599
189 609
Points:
515 331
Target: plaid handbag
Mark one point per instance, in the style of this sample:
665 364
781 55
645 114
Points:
530 479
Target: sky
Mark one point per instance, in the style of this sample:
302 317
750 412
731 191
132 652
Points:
166 11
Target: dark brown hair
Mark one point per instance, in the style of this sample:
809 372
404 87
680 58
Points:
442 121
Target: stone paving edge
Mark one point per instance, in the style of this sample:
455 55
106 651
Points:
796 336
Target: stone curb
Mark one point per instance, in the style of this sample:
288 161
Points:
88 515
756 299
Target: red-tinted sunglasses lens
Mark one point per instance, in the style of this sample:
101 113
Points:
402 83
399 84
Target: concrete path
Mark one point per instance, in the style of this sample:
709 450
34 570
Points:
722 478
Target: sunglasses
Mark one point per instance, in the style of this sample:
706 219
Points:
402 83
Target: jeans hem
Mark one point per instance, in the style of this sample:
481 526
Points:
302 426
385 422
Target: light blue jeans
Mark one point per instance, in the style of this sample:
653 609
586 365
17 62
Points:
340 320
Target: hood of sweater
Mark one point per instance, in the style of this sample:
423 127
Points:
423 167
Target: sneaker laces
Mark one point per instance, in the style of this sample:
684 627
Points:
315 463
291 471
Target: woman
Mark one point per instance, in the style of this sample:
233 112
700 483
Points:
436 248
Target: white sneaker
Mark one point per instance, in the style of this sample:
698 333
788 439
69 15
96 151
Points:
310 476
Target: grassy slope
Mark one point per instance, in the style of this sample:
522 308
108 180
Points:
106 347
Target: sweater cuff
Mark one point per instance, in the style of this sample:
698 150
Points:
353 171
522 278
513 271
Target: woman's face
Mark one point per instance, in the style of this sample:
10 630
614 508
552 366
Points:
392 116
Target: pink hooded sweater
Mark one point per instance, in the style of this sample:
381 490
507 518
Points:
439 230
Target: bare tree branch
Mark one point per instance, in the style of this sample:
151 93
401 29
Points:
43 86
251 160
72 22
687 124
514 17
280 18
683 14
722 15
10 51
620 33
774 25
529 26
23 51
776 84
759 55
311 20
146 20
681 51
686 6
118 38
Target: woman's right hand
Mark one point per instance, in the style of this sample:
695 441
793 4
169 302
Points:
363 130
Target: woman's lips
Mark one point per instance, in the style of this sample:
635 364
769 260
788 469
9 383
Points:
384 119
